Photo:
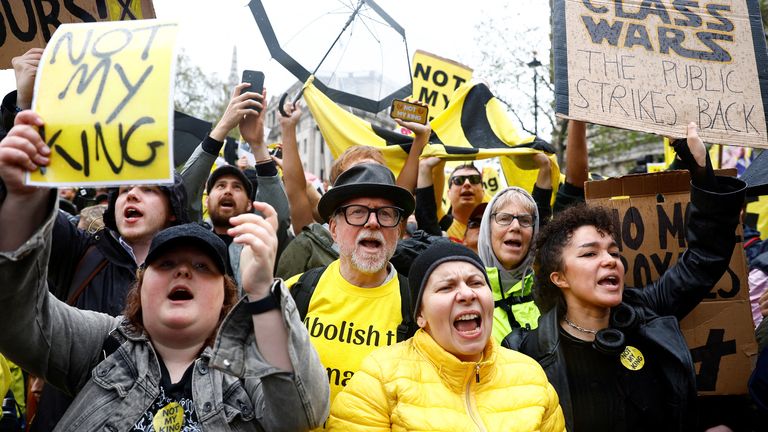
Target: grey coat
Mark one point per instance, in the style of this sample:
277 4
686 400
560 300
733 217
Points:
234 388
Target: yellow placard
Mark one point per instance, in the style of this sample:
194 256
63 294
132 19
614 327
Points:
104 91
435 79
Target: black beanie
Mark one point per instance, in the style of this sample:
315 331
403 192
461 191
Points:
433 256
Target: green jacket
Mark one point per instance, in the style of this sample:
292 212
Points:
524 311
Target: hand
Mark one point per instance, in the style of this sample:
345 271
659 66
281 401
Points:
428 164
22 150
257 260
239 106
696 145
294 115
242 162
532 161
25 68
252 124
418 129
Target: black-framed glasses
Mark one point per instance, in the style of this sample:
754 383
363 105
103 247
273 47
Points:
525 220
459 180
358 215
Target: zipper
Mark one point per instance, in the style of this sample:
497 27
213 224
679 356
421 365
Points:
468 399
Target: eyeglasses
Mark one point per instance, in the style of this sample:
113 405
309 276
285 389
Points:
358 215
504 219
459 180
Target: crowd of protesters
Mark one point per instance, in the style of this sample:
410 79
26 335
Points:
289 308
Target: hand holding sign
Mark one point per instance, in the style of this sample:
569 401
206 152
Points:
104 90
22 151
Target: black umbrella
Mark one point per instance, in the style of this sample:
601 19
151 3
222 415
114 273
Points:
188 132
357 22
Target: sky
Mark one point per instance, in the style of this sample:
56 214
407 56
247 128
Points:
210 30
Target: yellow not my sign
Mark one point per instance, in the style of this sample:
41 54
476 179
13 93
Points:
104 91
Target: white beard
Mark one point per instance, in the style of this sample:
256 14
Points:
365 262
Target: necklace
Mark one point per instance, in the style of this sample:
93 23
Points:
578 327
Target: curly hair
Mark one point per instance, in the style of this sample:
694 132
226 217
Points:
549 249
134 313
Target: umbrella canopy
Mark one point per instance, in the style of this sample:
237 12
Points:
356 51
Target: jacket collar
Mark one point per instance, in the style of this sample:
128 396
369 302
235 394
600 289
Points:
454 372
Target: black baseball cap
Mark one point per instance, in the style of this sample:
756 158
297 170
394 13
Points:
190 234
233 171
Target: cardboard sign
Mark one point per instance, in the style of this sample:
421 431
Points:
104 91
656 65
649 213
26 24
435 79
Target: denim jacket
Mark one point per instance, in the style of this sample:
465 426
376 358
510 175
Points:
233 387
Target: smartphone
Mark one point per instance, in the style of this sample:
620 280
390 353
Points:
409 111
256 81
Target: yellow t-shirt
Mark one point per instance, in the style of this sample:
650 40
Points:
456 231
346 322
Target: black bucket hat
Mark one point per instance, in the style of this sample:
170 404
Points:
369 180
436 254
190 234
233 171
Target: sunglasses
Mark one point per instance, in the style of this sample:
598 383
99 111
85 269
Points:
459 180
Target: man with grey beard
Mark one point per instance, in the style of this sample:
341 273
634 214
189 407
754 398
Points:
358 302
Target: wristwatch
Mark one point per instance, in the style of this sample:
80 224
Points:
271 301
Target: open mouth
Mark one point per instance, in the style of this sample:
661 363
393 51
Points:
513 243
370 243
132 213
609 281
468 323
227 203
180 294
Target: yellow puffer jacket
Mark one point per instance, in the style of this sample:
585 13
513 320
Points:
418 386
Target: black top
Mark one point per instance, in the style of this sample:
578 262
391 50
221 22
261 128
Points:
634 400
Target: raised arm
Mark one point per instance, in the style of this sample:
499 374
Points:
410 172
270 188
426 210
710 233
270 349
198 166
23 207
576 167
41 334
293 172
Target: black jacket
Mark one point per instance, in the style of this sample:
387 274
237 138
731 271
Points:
659 306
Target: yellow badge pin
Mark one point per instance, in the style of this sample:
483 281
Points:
632 358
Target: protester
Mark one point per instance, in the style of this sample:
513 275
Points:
159 364
313 246
358 302
465 192
616 355
472 233
227 202
508 228
95 272
451 376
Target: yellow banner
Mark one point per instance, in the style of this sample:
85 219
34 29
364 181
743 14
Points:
435 79
104 91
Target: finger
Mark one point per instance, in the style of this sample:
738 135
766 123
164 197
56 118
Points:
31 135
24 144
239 88
270 215
28 117
16 157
